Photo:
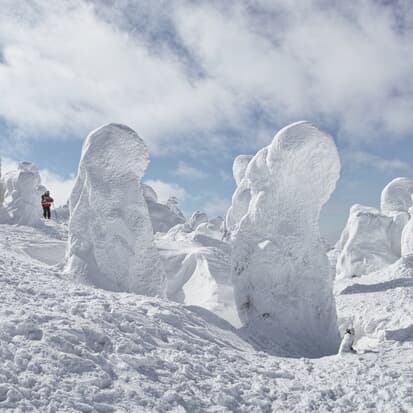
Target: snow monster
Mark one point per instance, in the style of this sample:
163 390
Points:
283 289
110 241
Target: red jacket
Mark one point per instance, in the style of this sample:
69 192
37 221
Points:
46 201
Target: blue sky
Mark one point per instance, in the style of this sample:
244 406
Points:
204 81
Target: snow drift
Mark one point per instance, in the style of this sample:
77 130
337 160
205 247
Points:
280 270
110 234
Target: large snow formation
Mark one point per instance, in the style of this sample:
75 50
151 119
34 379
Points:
366 244
373 239
397 196
110 234
407 236
22 191
163 217
238 210
4 216
280 270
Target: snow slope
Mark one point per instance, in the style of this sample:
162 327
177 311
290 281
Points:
66 347
198 273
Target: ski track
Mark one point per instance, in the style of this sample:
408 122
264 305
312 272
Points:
72 348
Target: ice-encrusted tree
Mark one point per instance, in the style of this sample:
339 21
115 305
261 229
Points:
22 192
373 239
110 234
239 209
282 284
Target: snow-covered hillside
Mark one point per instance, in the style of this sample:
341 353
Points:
133 308
66 347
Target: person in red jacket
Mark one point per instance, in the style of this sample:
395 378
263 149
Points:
47 202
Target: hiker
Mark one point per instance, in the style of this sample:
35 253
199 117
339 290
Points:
346 345
47 201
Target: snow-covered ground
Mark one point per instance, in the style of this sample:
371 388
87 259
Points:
68 347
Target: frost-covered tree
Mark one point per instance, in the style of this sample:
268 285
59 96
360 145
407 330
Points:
110 233
373 239
22 195
283 287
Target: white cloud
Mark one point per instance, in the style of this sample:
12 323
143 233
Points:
59 187
386 166
188 171
164 190
217 206
70 66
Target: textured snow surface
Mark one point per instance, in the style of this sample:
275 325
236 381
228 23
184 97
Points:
283 286
72 348
22 194
196 219
110 233
379 305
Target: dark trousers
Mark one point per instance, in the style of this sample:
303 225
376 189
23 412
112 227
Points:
46 212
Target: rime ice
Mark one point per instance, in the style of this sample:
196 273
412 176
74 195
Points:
22 192
365 242
373 239
163 217
110 234
279 267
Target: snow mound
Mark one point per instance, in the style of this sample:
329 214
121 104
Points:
365 243
110 235
212 229
22 191
283 287
397 196
196 219
379 305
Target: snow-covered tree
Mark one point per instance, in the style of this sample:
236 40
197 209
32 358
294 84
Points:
283 287
110 234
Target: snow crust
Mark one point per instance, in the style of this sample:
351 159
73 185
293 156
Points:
22 191
110 235
280 271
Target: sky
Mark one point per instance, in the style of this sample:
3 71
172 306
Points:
204 81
